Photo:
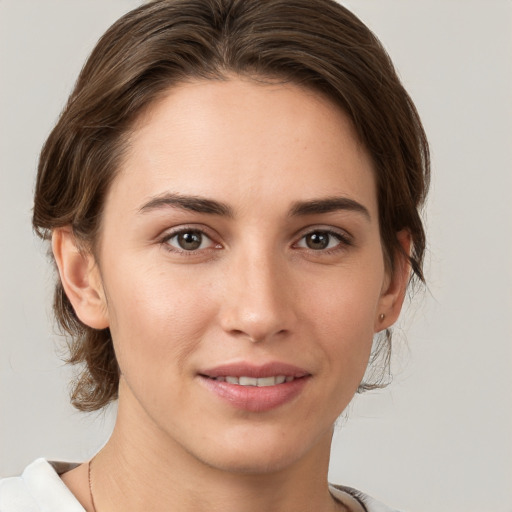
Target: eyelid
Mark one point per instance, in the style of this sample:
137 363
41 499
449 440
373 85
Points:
177 230
344 237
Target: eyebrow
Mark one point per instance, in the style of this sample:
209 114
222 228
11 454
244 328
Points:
210 206
189 203
328 205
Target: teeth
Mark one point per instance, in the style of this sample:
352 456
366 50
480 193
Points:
253 381
264 381
248 381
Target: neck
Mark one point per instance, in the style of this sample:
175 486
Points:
142 468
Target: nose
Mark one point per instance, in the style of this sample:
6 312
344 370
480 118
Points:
258 303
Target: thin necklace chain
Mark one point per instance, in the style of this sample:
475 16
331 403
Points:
89 467
90 485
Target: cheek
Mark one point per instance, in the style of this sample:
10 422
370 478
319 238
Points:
343 315
156 320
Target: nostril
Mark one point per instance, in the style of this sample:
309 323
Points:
258 313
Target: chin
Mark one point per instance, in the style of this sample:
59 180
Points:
260 463
263 453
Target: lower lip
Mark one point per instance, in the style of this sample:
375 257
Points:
254 398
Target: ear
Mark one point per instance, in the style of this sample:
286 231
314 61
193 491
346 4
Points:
395 285
80 279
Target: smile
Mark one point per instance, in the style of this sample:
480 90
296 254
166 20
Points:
255 381
255 388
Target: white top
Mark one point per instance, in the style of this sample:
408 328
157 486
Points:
40 489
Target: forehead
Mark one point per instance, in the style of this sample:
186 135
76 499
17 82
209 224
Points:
240 138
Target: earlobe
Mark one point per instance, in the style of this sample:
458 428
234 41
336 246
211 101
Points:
395 286
80 279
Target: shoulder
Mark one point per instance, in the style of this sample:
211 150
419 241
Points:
357 500
38 488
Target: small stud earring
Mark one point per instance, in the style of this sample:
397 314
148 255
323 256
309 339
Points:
382 316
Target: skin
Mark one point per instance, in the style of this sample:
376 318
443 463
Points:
254 291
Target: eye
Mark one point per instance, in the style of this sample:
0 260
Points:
322 240
189 240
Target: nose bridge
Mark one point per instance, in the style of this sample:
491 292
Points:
257 304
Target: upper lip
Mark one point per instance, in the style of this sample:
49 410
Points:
258 371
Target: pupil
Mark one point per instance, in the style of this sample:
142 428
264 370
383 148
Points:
189 241
317 240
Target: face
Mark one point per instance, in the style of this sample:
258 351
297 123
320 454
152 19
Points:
241 272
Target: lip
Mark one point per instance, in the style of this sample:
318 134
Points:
252 398
257 371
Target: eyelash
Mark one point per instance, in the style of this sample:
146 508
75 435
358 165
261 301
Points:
343 238
165 241
344 241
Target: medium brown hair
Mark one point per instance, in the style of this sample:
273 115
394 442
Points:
314 43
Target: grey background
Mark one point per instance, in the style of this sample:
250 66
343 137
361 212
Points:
440 437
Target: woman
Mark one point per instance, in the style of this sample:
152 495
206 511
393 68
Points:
232 198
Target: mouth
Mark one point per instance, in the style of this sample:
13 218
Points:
246 374
259 382
255 388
